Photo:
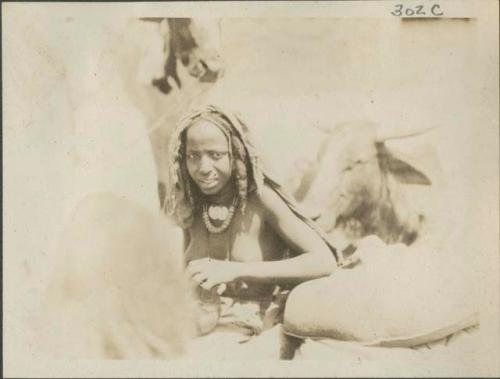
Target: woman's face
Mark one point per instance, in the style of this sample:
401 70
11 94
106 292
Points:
207 157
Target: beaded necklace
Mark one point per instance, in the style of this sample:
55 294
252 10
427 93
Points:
218 213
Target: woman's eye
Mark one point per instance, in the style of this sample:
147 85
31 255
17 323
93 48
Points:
217 155
192 156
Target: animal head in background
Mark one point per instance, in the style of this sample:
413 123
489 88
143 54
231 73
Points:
356 187
196 44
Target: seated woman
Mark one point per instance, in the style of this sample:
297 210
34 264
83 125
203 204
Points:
246 242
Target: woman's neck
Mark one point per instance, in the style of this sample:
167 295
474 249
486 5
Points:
224 197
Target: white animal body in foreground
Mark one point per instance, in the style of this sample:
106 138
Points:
118 288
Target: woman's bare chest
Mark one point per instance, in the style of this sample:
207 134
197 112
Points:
248 239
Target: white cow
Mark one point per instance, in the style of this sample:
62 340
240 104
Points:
77 129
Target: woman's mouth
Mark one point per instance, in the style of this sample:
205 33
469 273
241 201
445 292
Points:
207 184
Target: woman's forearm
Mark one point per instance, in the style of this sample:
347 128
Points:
303 267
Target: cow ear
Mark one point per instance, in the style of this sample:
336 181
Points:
404 172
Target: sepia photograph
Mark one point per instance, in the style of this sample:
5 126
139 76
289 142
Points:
251 189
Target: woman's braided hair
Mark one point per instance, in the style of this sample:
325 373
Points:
183 196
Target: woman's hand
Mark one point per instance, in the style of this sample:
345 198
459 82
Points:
208 272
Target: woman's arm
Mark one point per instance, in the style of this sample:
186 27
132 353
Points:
315 258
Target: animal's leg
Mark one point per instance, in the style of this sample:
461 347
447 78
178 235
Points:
289 345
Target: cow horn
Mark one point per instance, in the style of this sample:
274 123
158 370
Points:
390 133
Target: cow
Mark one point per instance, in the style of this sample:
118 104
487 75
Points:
366 197
357 183
112 280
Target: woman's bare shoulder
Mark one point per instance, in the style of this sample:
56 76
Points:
271 204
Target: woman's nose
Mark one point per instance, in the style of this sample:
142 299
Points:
205 165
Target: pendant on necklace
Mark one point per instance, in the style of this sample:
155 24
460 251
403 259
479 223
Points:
218 212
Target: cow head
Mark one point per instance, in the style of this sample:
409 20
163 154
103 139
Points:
193 42
354 191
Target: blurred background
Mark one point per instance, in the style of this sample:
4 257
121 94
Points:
81 115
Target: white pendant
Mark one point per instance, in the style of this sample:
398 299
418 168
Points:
218 212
